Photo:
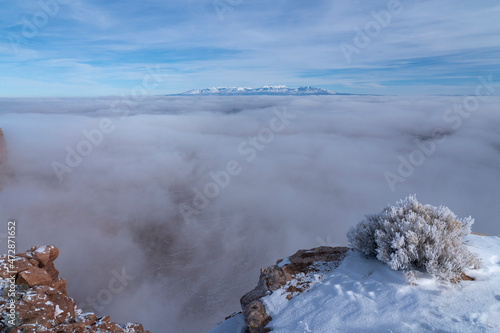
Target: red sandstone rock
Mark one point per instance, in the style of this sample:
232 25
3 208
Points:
42 304
6 171
20 264
274 277
3 148
34 276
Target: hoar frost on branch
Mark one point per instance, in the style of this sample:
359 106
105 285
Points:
414 237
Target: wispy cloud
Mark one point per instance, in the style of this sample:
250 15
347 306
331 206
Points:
257 42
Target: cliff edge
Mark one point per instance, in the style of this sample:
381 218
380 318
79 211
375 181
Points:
3 148
326 290
34 299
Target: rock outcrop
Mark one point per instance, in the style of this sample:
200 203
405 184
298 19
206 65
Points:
34 299
3 148
363 294
274 277
6 170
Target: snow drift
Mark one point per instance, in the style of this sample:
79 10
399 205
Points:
365 295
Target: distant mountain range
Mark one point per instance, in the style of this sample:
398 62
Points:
266 90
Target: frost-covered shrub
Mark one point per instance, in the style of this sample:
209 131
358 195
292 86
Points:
411 236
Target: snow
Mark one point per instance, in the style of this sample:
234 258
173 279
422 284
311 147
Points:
266 90
58 311
41 249
365 295
284 262
234 325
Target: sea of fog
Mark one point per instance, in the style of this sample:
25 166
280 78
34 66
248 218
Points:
165 209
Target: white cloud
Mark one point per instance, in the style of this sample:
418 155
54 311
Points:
265 41
318 176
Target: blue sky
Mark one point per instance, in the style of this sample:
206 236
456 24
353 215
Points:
96 48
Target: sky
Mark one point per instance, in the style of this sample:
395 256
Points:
60 48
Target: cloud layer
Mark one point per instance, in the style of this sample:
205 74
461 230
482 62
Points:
307 169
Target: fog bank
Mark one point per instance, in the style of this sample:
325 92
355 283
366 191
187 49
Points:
190 196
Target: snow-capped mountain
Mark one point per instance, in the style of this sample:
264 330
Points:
266 90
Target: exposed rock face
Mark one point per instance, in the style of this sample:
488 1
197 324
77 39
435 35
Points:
276 276
40 298
3 148
6 170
